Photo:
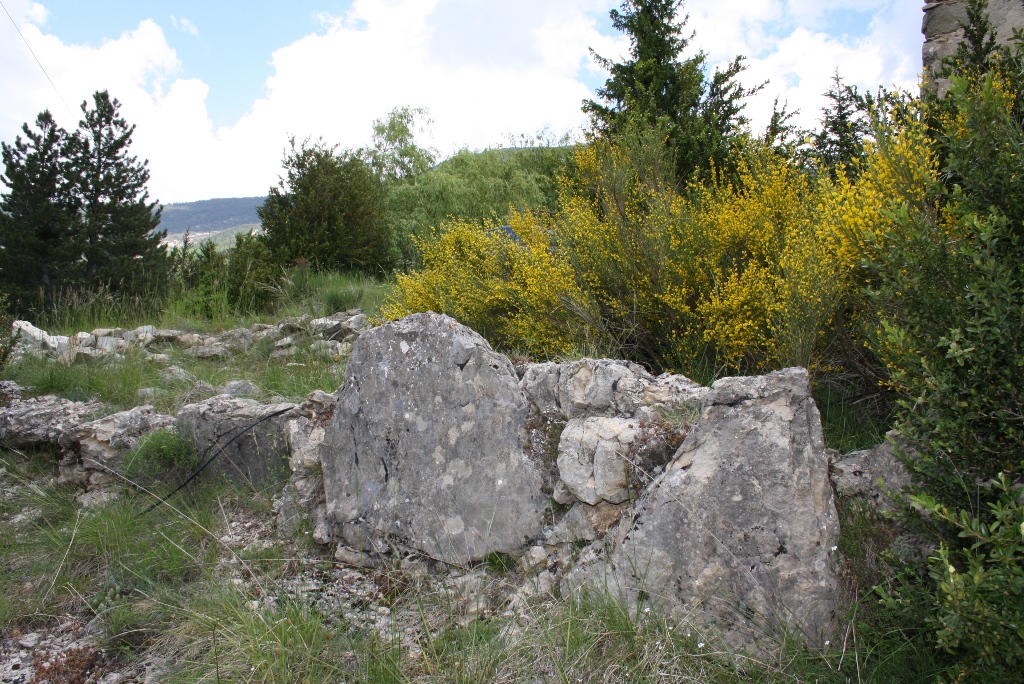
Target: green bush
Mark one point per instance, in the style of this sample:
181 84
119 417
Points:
8 338
328 211
979 592
252 278
949 283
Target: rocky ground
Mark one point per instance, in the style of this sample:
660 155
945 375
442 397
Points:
441 484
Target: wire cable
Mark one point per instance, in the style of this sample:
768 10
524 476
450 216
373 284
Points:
215 455
33 53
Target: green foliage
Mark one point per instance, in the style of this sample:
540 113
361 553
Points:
839 143
701 114
949 284
77 214
394 154
119 241
160 453
8 339
474 186
329 211
979 591
253 277
201 277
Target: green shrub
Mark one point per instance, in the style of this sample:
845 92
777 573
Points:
160 453
252 278
328 211
979 591
8 338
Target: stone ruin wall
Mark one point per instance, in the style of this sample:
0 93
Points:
942 32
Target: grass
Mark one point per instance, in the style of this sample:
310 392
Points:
302 291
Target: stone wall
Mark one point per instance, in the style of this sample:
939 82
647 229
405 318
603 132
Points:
942 32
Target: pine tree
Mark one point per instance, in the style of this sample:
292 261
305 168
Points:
839 144
39 222
653 87
121 246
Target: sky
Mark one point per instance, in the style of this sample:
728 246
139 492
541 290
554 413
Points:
217 89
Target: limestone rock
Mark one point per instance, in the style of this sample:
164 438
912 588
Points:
209 351
601 387
540 383
241 388
294 324
258 457
44 419
427 443
739 533
102 443
592 458
876 475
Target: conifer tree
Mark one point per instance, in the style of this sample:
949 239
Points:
654 87
844 125
39 220
121 246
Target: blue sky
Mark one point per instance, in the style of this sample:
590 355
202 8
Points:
216 89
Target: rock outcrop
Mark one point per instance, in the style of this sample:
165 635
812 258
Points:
427 444
258 457
43 420
739 532
93 449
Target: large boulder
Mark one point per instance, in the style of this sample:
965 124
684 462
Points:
258 457
738 534
427 444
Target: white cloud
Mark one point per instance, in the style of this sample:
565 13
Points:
184 25
485 70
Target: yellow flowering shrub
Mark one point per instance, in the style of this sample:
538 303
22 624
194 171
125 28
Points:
744 275
515 292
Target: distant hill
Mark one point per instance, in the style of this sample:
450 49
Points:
210 216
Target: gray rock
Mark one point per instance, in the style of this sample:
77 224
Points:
738 535
285 342
101 444
43 420
177 374
593 458
876 475
84 340
10 392
601 387
540 383
108 332
258 457
187 340
584 523
427 443
167 336
209 351
107 343
242 388
294 324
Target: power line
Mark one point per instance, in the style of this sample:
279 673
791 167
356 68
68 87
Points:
36 58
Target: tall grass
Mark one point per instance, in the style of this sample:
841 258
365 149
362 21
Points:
301 291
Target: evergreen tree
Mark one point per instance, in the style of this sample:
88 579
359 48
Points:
844 125
121 246
653 86
39 223
328 210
